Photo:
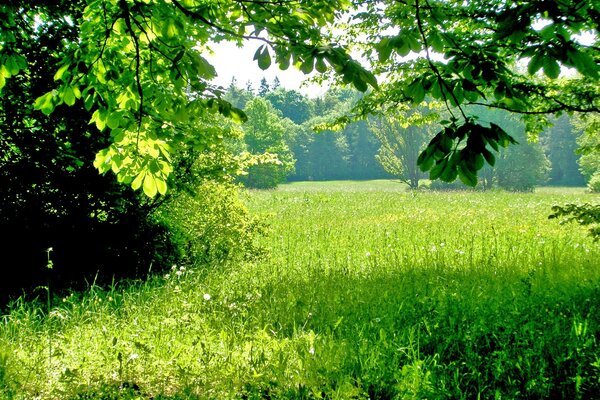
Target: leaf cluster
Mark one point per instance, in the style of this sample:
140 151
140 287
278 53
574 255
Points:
584 214
462 150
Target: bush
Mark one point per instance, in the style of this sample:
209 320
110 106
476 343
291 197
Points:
212 224
594 182
522 167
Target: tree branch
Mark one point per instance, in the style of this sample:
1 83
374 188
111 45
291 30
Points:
435 70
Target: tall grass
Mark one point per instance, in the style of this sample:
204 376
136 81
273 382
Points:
369 292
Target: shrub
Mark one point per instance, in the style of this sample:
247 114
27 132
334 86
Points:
594 182
212 224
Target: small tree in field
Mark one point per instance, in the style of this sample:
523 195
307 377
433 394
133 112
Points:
264 133
402 139
521 168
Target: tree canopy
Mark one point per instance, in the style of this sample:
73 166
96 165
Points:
138 67
488 53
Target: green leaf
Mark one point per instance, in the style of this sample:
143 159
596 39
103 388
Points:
263 57
551 67
467 176
100 161
384 48
489 157
584 63
99 117
401 46
12 65
61 71
113 120
438 168
4 72
359 84
45 103
204 69
320 65
308 65
479 162
238 115
413 42
436 89
450 173
161 185
416 91
150 188
425 160
283 59
137 182
536 62
369 78
68 96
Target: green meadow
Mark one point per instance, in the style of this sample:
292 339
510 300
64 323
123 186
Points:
367 291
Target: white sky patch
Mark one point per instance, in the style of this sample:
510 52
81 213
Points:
232 61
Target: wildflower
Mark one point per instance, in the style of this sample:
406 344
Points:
206 296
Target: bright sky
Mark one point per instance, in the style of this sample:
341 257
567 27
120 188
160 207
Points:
231 61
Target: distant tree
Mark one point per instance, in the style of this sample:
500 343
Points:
516 168
276 83
362 150
291 103
589 142
328 156
265 133
559 142
522 168
264 87
402 137
236 96
300 143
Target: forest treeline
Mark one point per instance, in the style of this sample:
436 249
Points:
283 121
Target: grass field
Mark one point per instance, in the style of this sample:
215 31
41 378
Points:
369 292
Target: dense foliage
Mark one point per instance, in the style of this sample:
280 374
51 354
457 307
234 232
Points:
51 195
264 134
479 52
55 205
138 67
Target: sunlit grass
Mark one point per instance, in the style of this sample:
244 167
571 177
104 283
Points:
370 291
